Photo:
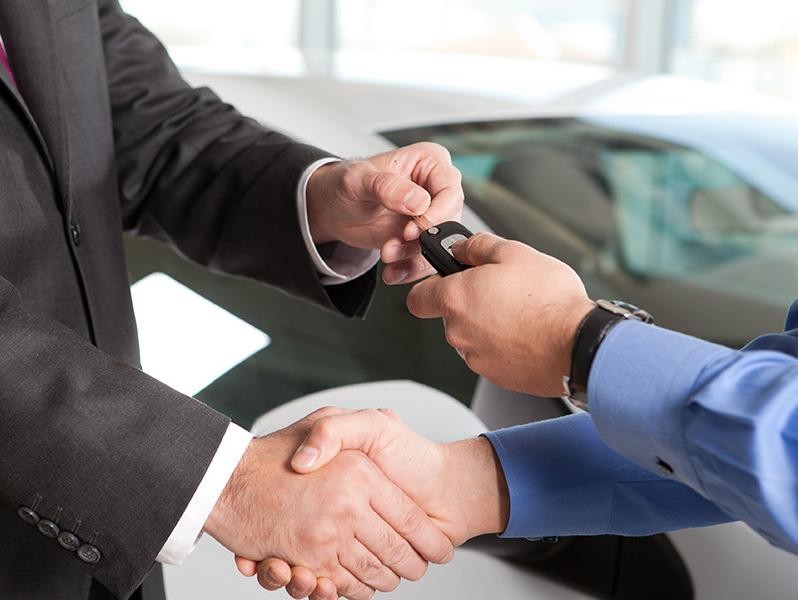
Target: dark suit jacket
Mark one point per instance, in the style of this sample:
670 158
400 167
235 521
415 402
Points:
103 136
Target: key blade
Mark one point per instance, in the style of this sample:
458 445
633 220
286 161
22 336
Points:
423 222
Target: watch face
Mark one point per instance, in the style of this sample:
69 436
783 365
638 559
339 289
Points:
626 310
616 307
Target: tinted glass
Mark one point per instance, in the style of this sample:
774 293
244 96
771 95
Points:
311 349
694 219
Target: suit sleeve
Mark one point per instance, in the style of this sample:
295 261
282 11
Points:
95 446
193 172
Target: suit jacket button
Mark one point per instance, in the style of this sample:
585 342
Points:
69 541
89 554
28 515
48 528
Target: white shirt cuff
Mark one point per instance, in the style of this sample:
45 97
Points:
188 531
340 263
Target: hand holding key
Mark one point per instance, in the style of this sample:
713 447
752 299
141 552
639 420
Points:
369 204
512 317
436 246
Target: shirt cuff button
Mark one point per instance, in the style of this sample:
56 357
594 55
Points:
664 467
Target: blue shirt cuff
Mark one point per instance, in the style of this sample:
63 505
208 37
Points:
563 480
640 383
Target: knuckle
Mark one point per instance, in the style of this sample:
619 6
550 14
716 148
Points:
382 185
323 533
436 149
451 337
391 414
368 565
371 413
326 411
470 359
356 465
393 550
324 429
410 521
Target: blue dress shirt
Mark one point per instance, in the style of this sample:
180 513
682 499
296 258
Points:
682 433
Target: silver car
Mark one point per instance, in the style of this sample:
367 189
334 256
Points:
689 213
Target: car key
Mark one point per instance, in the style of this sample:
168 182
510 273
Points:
436 245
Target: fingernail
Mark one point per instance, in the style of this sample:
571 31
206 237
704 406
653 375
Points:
305 457
397 277
416 202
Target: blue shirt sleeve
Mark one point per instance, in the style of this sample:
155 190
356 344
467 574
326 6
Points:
563 480
723 422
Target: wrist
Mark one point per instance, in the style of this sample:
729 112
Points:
480 487
574 314
316 198
223 514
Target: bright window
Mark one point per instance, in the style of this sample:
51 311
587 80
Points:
750 44
240 36
508 48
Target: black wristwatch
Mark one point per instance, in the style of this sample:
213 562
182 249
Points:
591 332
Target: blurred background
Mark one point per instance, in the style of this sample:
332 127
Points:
482 45
650 144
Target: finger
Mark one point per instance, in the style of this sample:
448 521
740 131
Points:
246 566
359 430
396 192
444 206
444 182
325 411
481 248
367 567
412 524
325 590
391 550
424 299
273 574
351 587
302 584
396 249
407 271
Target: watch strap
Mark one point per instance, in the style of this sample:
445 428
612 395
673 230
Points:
591 332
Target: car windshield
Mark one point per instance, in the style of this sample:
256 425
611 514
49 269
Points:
693 217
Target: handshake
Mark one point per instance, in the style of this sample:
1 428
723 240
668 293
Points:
343 503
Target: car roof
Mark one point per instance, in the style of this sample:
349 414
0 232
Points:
345 117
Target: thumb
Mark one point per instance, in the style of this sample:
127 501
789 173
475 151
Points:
361 430
479 249
396 193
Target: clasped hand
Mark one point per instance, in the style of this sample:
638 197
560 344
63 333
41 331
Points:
453 492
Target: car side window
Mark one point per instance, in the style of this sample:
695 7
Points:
681 213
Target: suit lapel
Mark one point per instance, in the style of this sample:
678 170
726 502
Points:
29 37
9 87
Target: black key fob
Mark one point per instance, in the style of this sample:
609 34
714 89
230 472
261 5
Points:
436 243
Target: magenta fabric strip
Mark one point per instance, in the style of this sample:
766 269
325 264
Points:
4 61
